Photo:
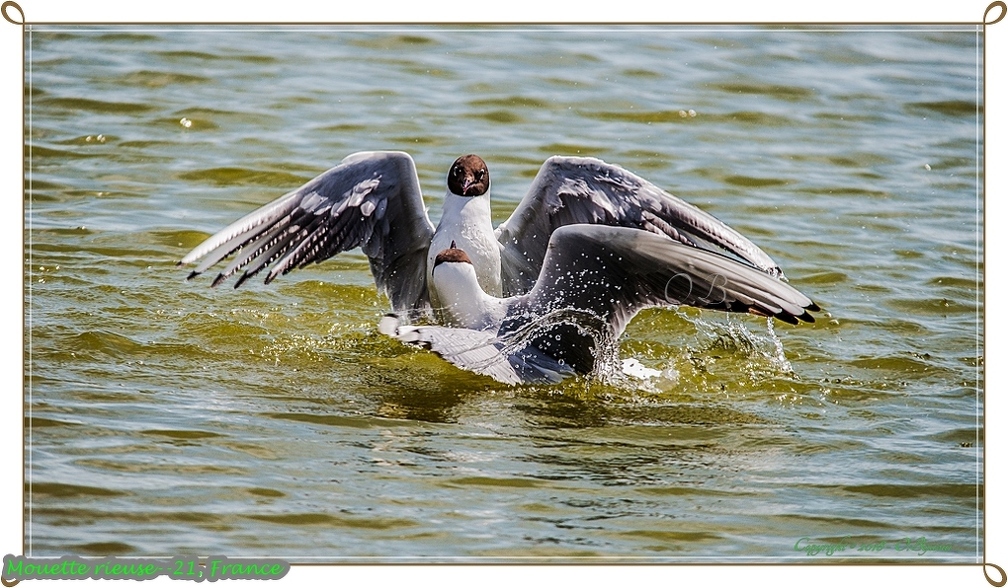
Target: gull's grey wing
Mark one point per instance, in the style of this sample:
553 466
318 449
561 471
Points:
579 190
370 200
610 273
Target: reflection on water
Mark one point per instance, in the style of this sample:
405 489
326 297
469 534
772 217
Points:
170 418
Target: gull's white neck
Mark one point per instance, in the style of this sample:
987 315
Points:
475 208
462 302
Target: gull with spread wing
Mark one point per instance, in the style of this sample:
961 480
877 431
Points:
372 200
594 279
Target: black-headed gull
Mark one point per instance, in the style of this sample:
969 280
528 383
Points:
594 279
372 200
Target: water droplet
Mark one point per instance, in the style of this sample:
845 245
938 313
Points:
692 113
927 166
185 122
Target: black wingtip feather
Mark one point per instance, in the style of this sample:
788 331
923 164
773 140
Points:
218 280
192 275
788 318
241 280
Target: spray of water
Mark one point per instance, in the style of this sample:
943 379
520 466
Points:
763 353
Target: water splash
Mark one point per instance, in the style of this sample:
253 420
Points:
610 368
527 329
779 357
763 353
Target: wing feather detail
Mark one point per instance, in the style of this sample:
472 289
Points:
584 190
371 200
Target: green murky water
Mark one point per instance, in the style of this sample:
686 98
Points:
167 418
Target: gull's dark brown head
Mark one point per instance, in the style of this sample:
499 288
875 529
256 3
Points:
452 254
469 176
